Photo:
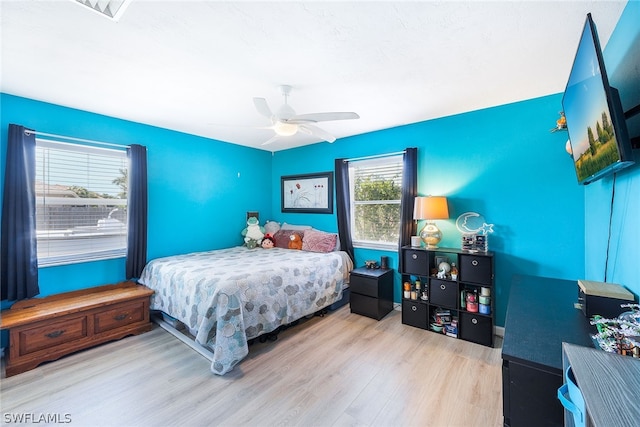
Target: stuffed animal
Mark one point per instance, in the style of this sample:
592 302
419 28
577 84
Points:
271 227
253 233
296 241
268 241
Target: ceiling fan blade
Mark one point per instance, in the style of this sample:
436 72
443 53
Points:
316 131
272 139
263 107
323 117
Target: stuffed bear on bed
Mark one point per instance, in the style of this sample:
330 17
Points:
295 242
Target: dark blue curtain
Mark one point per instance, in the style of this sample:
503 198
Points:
342 207
409 193
137 211
19 266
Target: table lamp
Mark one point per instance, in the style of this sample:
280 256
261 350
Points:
431 208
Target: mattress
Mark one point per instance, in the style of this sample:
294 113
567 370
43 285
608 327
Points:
229 296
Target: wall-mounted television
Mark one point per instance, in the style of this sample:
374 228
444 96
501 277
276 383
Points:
597 129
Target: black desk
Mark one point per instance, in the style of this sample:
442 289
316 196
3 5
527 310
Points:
540 317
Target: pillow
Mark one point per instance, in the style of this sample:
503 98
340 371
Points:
337 247
283 237
286 226
318 241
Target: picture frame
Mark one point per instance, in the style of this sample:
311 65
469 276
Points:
309 193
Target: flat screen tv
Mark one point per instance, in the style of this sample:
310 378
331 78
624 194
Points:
598 133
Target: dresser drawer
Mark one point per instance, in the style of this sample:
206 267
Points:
416 262
364 285
415 314
476 328
120 315
50 335
476 269
444 293
375 308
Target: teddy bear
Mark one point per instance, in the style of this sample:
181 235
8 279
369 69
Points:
271 227
253 233
296 241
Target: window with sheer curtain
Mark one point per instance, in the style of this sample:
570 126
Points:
81 202
376 192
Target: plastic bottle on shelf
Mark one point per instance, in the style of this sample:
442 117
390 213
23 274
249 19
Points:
407 290
454 271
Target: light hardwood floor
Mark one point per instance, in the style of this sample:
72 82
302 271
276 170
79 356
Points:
341 369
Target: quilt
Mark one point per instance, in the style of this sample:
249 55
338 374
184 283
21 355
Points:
228 296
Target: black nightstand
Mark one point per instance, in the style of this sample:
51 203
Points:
371 292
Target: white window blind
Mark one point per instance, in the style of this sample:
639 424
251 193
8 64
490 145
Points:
375 191
81 203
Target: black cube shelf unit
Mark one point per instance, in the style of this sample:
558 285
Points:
475 272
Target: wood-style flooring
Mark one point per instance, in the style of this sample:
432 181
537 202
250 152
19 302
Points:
338 370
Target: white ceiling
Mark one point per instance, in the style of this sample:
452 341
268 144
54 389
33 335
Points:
195 66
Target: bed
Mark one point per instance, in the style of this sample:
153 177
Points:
228 296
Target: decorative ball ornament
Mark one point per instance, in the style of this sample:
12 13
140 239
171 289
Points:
444 266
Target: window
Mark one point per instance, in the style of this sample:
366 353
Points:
81 203
375 187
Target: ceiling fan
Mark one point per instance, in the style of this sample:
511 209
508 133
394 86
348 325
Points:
285 122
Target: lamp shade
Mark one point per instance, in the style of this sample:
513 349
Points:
431 207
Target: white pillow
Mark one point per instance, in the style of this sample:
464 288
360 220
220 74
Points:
286 226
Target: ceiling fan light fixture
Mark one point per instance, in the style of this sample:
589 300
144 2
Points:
112 9
285 129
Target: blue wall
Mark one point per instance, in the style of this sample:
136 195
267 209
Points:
622 56
199 189
501 162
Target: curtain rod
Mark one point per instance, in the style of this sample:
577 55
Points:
70 138
374 156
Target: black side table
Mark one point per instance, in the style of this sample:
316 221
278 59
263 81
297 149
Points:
371 292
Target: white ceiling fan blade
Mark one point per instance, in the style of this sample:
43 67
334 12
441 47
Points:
272 139
316 131
263 107
324 117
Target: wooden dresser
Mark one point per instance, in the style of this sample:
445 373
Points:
45 329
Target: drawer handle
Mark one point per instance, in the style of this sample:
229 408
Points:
55 334
474 262
121 316
414 308
443 287
474 321
414 256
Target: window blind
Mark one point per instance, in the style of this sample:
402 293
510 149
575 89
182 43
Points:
81 202
375 191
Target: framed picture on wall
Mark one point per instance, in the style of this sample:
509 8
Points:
310 193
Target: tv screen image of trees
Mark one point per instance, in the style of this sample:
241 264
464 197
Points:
601 149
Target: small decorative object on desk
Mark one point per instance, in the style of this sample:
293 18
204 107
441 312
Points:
620 335
384 262
474 231
371 264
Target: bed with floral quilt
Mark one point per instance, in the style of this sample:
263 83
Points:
228 296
